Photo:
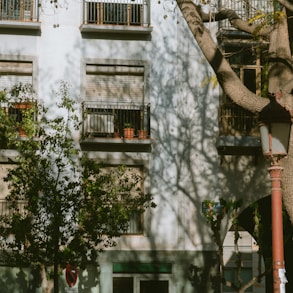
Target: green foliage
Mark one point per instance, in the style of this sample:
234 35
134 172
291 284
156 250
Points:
266 19
127 125
73 207
17 114
214 213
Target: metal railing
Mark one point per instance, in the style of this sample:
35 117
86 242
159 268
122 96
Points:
17 111
109 120
116 12
21 10
245 9
234 120
6 208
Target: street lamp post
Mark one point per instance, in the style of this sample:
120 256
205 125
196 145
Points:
275 126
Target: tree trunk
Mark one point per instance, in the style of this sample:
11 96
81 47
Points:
47 285
280 75
56 277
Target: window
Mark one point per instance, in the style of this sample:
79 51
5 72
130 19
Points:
127 183
16 79
17 10
115 100
5 206
245 9
124 12
250 261
15 72
139 285
231 275
142 277
250 66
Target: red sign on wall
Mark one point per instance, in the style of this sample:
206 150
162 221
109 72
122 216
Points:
71 275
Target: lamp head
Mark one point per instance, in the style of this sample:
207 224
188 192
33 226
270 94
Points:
275 126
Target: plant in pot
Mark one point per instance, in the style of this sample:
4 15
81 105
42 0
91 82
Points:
23 108
142 134
128 131
22 95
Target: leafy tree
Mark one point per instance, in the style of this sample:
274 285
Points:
64 207
215 213
276 28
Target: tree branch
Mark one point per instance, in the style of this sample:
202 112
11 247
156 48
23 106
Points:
227 78
235 21
286 4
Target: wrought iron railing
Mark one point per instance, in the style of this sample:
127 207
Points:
109 120
6 208
17 111
245 9
234 120
116 12
21 10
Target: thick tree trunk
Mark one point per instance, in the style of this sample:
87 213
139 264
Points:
280 73
227 78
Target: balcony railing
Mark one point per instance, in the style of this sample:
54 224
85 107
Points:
246 9
109 120
7 210
18 111
236 121
116 12
18 10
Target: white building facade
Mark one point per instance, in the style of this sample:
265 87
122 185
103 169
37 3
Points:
137 59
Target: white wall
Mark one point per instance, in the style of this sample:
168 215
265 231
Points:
184 166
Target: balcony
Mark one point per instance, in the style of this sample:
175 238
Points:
115 126
20 114
19 14
113 16
246 10
238 134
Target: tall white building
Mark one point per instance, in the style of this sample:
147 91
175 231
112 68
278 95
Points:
135 62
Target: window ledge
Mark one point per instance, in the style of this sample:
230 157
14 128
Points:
8 155
32 25
116 144
238 145
94 28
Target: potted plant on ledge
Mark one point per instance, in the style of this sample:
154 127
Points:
142 134
128 131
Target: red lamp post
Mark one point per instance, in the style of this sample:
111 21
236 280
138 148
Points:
275 126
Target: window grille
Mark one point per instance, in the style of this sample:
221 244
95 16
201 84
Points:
21 10
124 12
115 100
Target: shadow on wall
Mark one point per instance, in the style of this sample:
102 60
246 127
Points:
17 280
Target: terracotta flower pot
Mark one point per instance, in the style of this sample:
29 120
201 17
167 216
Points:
128 133
21 132
116 134
142 134
23 105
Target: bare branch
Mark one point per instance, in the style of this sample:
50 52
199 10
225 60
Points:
254 280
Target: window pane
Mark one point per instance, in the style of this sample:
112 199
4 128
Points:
123 285
154 286
231 275
249 79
